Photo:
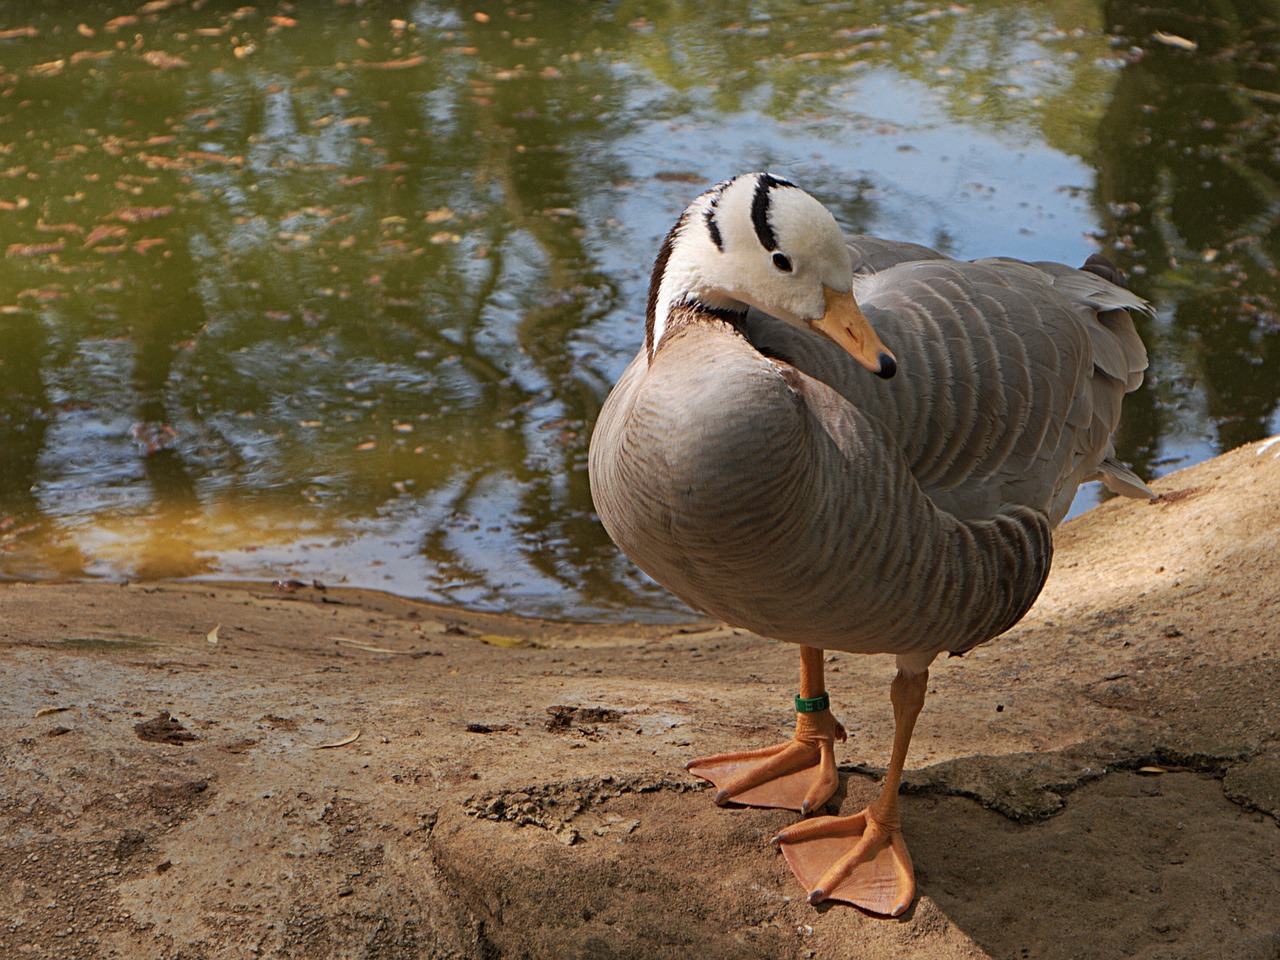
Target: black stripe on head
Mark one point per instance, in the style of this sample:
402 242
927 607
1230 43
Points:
655 280
713 228
760 208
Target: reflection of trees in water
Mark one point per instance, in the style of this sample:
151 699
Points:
24 421
342 270
1189 178
115 273
999 64
385 238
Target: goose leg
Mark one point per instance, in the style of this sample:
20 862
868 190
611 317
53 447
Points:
863 859
797 775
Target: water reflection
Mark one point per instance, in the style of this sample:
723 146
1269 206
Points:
1190 184
336 292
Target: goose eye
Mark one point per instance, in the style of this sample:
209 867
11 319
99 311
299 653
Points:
781 261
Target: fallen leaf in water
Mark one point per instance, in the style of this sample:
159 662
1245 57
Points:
1173 40
139 214
860 33
115 24
80 56
233 161
163 163
165 61
103 232
19 32
34 249
154 435
338 743
39 296
49 69
403 64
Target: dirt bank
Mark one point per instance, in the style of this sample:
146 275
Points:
168 790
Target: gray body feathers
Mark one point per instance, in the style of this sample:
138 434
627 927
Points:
763 477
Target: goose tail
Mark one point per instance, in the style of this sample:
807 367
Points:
1119 479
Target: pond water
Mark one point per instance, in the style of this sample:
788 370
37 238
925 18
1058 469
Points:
335 290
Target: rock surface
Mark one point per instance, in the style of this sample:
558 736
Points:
1102 781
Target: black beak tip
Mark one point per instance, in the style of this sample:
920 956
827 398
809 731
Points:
888 367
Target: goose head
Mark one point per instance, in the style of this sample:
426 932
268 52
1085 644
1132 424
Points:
760 241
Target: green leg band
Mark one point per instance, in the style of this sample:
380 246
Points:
813 704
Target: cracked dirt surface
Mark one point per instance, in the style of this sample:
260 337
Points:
1103 781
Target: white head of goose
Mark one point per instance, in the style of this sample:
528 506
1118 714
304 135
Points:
762 241
763 477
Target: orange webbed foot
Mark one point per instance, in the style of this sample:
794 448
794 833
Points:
797 775
858 860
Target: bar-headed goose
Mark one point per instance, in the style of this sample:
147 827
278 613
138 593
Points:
902 504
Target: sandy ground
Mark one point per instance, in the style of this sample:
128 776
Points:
1103 781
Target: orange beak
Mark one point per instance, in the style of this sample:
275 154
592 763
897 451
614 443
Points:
845 326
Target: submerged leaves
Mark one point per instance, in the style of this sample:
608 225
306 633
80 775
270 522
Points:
35 249
165 61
